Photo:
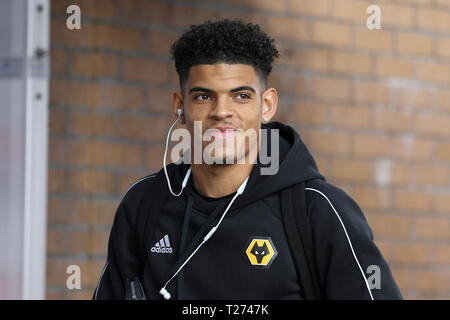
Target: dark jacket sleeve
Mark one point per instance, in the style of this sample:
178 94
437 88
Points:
123 262
349 263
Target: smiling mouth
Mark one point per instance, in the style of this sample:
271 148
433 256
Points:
221 132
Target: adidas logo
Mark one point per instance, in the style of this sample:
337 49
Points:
162 246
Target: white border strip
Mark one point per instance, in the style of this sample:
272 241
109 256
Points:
36 147
348 239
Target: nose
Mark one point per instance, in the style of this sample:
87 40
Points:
221 109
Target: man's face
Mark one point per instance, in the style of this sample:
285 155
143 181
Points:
226 97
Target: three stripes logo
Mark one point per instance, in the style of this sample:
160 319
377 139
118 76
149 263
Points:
162 246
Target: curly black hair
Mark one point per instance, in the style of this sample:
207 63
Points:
227 41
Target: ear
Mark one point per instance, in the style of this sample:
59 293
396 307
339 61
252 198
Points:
269 104
177 103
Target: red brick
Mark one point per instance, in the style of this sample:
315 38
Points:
386 225
312 7
393 67
412 200
370 197
68 211
351 170
432 228
351 63
371 92
122 96
55 241
311 113
413 43
331 88
182 15
86 37
56 180
416 97
441 202
74 93
93 95
400 175
146 11
352 117
431 175
94 65
369 145
120 38
160 99
396 15
434 280
79 242
434 72
91 125
375 40
443 47
57 123
331 34
155 156
276 6
102 212
433 19
305 58
161 41
97 8
441 254
402 278
65 151
58 62
286 28
115 154
349 9
144 127
287 83
433 124
411 149
53 294
443 151
145 70
443 98
91 182
79 294
411 253
393 121
327 142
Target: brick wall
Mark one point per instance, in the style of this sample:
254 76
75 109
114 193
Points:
373 106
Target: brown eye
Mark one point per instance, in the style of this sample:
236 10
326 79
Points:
244 96
201 95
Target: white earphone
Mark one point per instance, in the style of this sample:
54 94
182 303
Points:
188 173
240 190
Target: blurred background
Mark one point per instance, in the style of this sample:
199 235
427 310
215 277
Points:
86 116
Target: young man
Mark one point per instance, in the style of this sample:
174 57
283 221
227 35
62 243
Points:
219 233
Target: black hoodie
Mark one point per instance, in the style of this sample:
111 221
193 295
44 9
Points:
348 261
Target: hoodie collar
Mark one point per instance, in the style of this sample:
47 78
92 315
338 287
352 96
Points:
296 164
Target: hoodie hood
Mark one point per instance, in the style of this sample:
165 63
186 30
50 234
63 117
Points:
296 165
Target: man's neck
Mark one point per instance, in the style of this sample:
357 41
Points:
219 180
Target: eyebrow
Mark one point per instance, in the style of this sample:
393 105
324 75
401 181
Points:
201 89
